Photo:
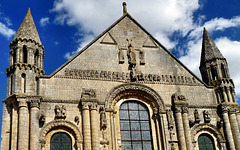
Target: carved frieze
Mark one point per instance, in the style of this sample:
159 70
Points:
125 77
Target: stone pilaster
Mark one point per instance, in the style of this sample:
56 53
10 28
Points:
94 126
34 124
86 126
235 128
228 130
23 136
180 130
187 128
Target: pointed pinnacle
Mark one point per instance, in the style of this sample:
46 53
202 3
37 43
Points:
209 49
27 29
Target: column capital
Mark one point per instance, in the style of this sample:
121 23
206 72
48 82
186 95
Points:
22 103
178 109
185 109
85 105
93 105
35 103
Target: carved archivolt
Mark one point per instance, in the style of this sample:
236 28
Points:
210 128
133 89
61 124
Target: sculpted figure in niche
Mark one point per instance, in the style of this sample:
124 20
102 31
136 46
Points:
206 115
103 119
60 112
196 115
131 53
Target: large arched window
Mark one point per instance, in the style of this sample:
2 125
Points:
135 126
205 142
61 141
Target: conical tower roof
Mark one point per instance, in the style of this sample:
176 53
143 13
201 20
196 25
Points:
28 30
209 49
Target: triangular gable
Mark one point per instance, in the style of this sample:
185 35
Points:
149 42
108 39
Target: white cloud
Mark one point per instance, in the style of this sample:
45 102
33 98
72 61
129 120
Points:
6 31
44 21
95 16
215 24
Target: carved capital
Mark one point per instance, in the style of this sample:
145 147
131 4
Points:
233 110
85 105
185 109
22 103
225 108
178 109
34 103
93 106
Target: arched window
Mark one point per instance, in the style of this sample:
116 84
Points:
36 55
214 73
25 54
135 126
223 71
23 83
205 142
61 141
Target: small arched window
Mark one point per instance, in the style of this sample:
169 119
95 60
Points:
223 71
23 83
61 141
25 54
205 142
214 73
36 56
135 126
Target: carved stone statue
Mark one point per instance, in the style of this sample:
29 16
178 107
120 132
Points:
196 116
121 56
60 112
206 115
142 57
131 53
103 119
88 94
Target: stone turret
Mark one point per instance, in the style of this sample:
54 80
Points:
214 70
26 59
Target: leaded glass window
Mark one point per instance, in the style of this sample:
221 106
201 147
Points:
135 126
205 142
61 141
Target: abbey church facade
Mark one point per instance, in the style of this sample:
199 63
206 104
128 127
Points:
123 91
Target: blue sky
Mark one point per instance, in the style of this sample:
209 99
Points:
66 26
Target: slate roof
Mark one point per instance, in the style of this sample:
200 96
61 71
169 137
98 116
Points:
27 29
209 49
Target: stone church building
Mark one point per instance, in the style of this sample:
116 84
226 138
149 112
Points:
123 91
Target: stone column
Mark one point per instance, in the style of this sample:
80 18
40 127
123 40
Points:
187 128
224 95
94 127
34 124
228 128
180 130
86 126
22 124
238 118
235 127
229 95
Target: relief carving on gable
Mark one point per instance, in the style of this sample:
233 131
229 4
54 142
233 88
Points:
126 77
